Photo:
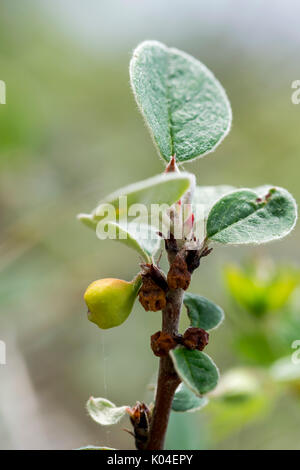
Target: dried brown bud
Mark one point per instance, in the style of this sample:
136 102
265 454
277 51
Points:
193 257
179 275
195 338
193 260
171 244
136 412
206 251
151 296
162 343
140 417
155 273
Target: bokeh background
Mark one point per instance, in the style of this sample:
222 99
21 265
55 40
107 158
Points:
70 133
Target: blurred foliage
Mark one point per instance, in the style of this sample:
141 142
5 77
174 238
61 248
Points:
69 134
229 417
259 288
261 338
264 291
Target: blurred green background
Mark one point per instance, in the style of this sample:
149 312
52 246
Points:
70 133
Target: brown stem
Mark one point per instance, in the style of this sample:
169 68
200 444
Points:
168 379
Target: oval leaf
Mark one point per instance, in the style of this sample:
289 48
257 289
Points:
202 312
140 237
166 188
104 411
242 217
186 400
196 369
184 105
204 197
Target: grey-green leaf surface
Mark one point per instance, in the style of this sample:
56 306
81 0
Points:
184 105
104 411
185 400
202 312
242 217
196 369
205 197
140 237
166 188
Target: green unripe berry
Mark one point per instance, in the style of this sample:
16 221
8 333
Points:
110 301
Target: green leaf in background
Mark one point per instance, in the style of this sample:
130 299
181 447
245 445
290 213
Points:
186 400
166 188
257 348
246 290
205 197
202 312
242 396
228 417
184 105
241 217
196 369
140 237
95 448
260 288
104 411
289 326
237 385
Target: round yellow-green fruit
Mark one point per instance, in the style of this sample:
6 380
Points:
110 301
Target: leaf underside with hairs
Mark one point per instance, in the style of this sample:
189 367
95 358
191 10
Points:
166 188
184 105
104 411
186 400
140 237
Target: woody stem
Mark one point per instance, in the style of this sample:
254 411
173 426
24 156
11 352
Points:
168 379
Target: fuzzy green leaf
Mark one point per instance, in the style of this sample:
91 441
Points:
202 312
196 369
204 197
166 188
186 400
184 105
104 411
243 218
140 237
